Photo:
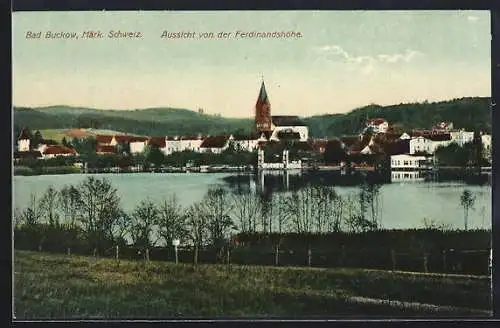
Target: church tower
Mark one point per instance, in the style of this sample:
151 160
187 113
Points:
263 111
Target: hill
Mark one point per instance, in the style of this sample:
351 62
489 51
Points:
468 113
49 285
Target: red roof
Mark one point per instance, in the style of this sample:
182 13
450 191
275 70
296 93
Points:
159 142
214 142
105 149
129 139
56 150
24 135
77 133
375 121
103 139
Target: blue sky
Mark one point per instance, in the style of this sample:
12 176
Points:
342 61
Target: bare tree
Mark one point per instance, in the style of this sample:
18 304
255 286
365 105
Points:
171 224
68 202
143 226
216 209
48 204
100 207
197 228
246 210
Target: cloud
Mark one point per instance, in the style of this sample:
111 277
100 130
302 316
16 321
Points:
368 63
472 18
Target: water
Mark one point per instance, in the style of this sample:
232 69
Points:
402 205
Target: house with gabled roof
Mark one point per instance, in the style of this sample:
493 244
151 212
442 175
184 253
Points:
23 141
58 150
216 144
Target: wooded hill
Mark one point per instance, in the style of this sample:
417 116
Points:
469 113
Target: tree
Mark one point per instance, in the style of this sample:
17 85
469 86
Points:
36 140
154 155
334 153
246 210
65 142
196 228
171 224
144 224
216 209
49 204
467 200
100 207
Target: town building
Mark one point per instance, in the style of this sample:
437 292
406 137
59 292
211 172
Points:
56 151
429 143
278 127
377 125
23 141
215 144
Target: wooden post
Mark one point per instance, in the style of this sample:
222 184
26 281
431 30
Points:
116 252
147 254
393 258
445 269
195 259
228 255
176 255
95 252
276 254
426 262
309 255
69 251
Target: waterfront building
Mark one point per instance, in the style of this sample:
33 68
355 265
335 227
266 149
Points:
429 143
56 151
406 167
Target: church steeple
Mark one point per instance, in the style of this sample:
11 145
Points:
263 110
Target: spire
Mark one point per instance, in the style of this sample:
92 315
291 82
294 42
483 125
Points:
263 93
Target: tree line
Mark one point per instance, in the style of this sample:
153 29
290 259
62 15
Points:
89 216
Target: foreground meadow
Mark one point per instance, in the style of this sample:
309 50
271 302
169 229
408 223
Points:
61 286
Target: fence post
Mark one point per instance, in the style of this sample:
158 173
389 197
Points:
426 268
147 254
393 259
445 269
276 254
309 255
69 251
116 252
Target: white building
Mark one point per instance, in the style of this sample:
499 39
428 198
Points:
407 167
248 142
461 137
377 125
215 144
23 142
191 143
486 141
288 126
428 144
174 144
399 162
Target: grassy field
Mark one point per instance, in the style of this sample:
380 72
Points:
59 134
61 286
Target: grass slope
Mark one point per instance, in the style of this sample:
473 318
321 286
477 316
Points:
59 286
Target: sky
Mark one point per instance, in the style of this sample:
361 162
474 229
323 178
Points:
343 60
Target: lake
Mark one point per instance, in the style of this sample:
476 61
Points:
402 205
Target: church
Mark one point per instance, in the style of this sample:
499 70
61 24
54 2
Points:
276 128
